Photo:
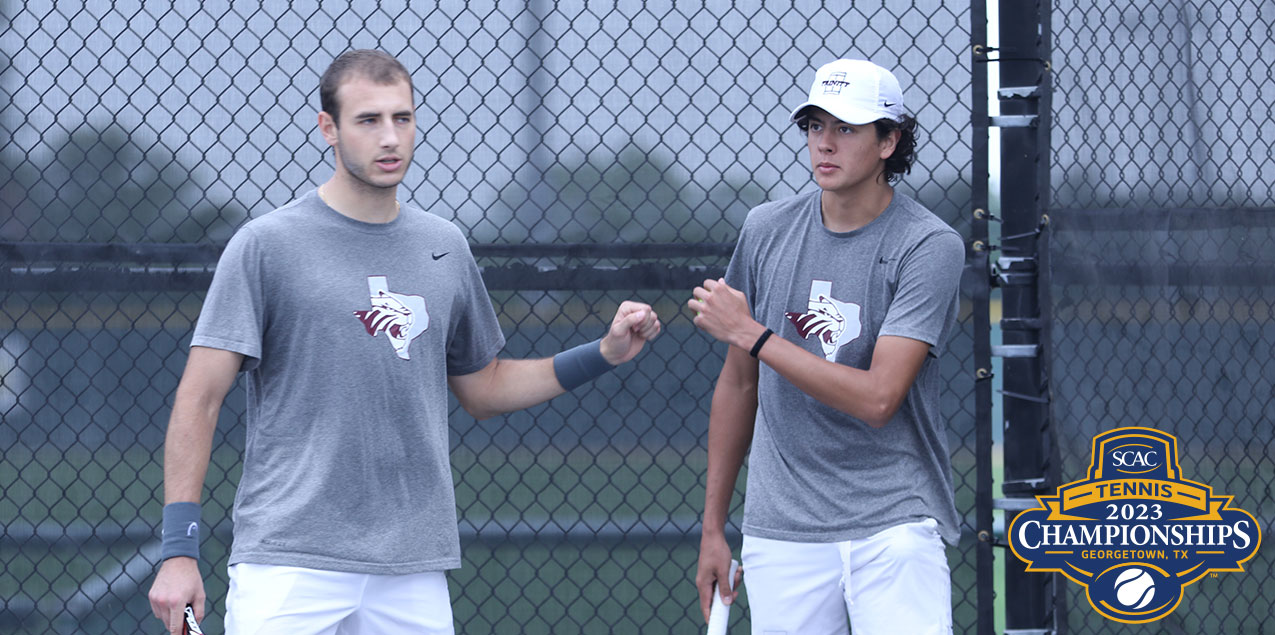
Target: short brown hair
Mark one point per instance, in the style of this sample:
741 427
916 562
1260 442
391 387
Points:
377 66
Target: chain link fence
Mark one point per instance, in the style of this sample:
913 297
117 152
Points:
591 151
1164 262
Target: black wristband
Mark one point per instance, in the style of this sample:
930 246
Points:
760 341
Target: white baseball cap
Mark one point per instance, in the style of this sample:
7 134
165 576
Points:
856 92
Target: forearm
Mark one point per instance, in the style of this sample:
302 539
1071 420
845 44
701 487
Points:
725 314
872 396
208 376
187 447
508 385
730 433
849 390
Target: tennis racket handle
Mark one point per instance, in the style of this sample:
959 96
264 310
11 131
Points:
719 615
192 626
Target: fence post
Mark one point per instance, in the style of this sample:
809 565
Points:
1033 600
980 294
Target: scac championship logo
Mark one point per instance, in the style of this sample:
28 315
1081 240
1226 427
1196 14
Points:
1134 533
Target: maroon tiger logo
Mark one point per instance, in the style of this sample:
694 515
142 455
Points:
401 317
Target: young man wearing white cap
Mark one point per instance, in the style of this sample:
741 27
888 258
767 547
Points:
837 304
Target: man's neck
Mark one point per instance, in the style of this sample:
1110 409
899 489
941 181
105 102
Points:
845 211
359 201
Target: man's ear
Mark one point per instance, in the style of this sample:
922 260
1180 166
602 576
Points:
327 127
890 142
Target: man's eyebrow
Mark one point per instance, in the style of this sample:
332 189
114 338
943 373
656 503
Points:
377 113
825 120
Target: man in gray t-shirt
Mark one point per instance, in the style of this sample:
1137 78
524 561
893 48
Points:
350 317
846 296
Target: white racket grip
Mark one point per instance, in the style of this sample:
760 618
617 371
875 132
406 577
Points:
719 615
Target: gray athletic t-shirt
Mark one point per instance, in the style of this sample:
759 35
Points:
816 474
349 330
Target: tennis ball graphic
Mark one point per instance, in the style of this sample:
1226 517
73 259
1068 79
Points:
1134 588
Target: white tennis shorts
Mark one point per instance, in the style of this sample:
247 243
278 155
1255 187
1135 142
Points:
275 599
892 582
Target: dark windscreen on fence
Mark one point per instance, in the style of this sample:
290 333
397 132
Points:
1163 246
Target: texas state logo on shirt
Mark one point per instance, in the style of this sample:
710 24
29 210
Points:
401 317
833 322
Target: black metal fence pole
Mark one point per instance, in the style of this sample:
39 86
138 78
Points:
981 316
1024 70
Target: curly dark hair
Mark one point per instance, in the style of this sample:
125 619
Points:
378 66
900 162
